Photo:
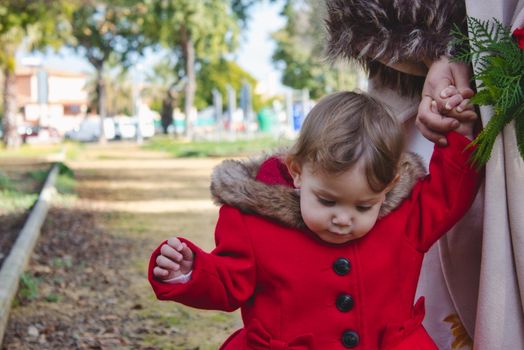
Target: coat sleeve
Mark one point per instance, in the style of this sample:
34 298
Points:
442 198
222 279
384 34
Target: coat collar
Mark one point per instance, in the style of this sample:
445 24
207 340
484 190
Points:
235 183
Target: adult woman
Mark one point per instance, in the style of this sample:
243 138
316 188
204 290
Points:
405 45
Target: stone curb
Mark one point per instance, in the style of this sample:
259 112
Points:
17 260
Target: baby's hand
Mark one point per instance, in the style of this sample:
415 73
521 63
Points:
457 114
175 259
453 100
458 107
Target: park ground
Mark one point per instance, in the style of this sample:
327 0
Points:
86 285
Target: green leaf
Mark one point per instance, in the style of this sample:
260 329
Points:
499 67
483 98
485 141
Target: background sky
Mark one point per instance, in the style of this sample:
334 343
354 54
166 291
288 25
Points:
254 55
257 48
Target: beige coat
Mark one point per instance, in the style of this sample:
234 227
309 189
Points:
500 314
482 258
472 277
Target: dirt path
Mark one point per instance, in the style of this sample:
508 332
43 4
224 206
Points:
90 263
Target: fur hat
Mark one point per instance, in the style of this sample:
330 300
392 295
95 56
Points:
377 33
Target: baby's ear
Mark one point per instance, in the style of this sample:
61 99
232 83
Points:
295 170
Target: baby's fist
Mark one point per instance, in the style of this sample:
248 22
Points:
175 259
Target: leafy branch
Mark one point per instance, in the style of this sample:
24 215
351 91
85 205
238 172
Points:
499 66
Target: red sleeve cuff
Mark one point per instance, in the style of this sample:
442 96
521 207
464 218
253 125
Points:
458 151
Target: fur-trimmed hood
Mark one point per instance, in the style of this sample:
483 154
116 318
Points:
234 183
378 33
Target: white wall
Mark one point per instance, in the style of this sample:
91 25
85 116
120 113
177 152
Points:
64 89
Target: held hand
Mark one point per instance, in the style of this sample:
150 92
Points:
175 259
442 74
447 83
436 126
463 111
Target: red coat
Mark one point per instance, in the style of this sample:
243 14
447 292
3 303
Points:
298 292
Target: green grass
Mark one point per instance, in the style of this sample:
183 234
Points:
65 185
178 148
28 290
62 262
52 298
38 175
30 151
73 149
12 198
5 182
65 182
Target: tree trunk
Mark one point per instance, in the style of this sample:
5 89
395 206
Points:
167 111
11 137
101 88
189 58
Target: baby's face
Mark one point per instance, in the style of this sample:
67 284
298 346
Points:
338 208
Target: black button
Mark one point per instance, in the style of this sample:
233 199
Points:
341 266
345 302
350 339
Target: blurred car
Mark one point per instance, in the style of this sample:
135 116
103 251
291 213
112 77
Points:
89 130
43 135
125 127
147 127
26 131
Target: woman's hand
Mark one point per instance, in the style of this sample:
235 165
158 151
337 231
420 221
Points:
447 83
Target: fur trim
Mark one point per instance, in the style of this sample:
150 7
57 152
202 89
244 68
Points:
391 31
411 170
233 183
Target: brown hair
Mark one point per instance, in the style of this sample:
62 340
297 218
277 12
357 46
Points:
346 127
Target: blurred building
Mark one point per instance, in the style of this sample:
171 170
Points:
51 98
